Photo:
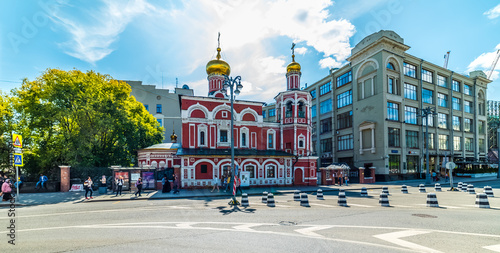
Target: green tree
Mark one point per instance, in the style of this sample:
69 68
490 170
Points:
6 127
81 119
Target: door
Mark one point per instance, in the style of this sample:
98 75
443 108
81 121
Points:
298 176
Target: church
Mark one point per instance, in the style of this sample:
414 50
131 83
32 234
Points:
265 153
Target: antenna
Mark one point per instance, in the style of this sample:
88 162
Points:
446 58
176 82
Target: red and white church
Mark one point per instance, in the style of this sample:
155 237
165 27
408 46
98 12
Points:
266 153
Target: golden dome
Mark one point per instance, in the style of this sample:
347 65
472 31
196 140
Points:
293 66
218 66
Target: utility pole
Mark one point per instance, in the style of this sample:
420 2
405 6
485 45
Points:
425 114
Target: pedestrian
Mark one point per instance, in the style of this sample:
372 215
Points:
165 185
6 190
434 176
346 181
42 182
238 185
228 182
340 180
446 177
119 185
88 187
215 183
138 184
223 181
176 184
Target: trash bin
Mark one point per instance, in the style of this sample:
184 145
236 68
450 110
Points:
103 190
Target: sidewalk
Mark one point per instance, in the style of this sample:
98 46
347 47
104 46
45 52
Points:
29 199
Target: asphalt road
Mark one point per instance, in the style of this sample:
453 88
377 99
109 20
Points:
211 225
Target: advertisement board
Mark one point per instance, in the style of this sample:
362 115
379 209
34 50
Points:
148 180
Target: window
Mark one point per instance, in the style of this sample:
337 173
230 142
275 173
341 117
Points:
411 139
301 142
469 144
344 120
427 96
344 79
344 99
393 86
264 114
410 70
467 125
455 85
467 90
345 142
313 94
147 107
160 121
251 169
442 100
430 119
442 81
392 111
410 115
481 127
442 120
325 88
223 135
313 111
390 66
443 142
325 106
289 108
412 163
427 75
410 91
244 139
455 103
270 140
158 108
204 168
270 171
457 143
272 112
202 138
326 145
394 136
430 139
456 123
481 145
326 126
467 106
394 164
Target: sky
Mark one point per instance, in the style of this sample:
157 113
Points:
158 41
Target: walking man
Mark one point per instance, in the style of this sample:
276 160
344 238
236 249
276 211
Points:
119 186
238 185
176 184
138 184
88 187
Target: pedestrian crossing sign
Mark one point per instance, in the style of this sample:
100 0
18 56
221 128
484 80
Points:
18 160
17 140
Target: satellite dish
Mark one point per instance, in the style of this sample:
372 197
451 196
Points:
185 86
450 165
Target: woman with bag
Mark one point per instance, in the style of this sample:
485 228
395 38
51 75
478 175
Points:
88 187
6 190
119 186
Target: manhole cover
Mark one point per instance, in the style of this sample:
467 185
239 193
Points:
287 223
421 215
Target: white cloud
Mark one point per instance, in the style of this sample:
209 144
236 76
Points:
301 50
273 65
329 63
484 62
93 34
493 12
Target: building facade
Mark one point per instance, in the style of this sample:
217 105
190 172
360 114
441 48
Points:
266 153
368 113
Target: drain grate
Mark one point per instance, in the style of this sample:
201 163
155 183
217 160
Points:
421 215
287 223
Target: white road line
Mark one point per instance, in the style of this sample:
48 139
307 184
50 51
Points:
495 248
394 238
247 227
310 230
350 204
315 204
401 206
452 207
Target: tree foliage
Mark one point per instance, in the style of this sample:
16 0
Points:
6 125
81 119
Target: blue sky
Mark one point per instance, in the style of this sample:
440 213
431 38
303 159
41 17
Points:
147 39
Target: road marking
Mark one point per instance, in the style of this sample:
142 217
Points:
401 206
495 248
246 227
350 204
315 204
394 238
310 230
452 207
116 202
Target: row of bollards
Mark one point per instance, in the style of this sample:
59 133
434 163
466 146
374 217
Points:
481 198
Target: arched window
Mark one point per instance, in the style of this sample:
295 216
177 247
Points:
289 109
391 66
244 139
302 113
271 171
202 138
251 169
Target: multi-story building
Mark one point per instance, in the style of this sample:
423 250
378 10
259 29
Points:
368 113
162 104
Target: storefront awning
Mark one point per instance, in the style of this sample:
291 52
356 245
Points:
336 166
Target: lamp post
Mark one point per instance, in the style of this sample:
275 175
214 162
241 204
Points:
425 114
234 85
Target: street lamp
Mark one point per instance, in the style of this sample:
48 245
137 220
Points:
425 114
234 85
